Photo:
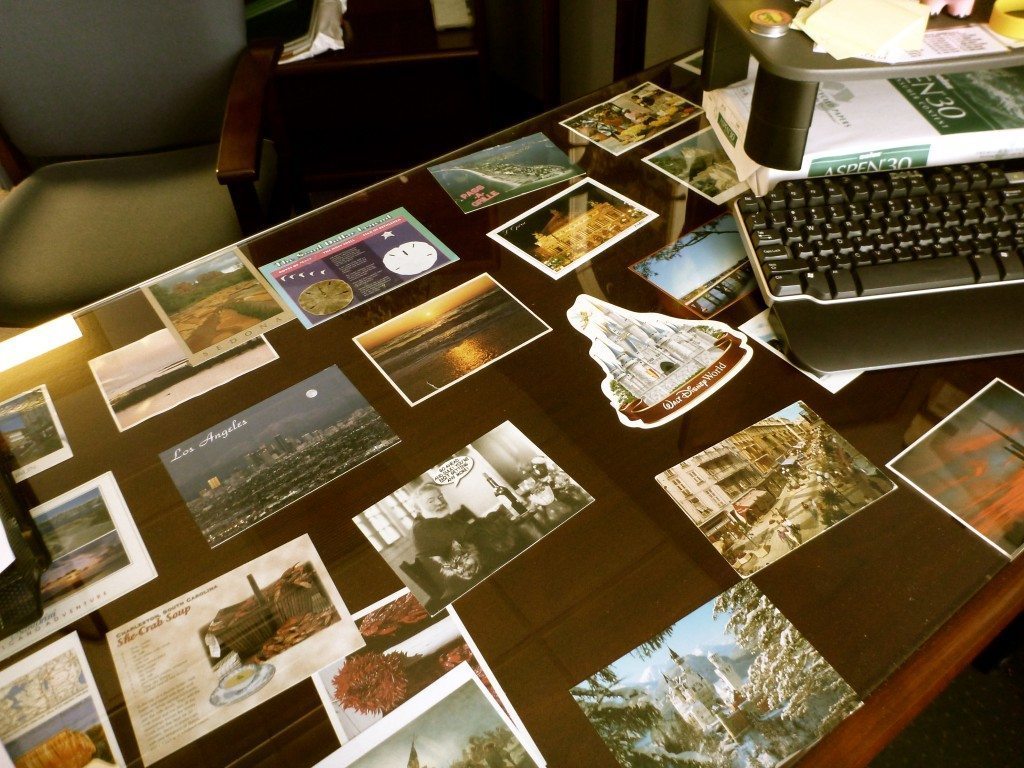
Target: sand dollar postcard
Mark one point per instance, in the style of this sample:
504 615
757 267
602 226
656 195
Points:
732 685
51 713
437 344
700 163
464 518
631 118
236 473
971 464
500 173
656 367
773 486
97 552
352 267
208 656
33 434
215 304
568 230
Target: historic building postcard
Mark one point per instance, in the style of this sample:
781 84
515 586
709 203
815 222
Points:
699 163
208 656
32 433
98 556
464 518
971 464
631 118
732 684
773 486
236 473
657 367
51 712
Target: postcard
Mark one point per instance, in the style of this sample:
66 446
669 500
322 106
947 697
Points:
406 650
571 228
454 722
773 486
32 432
152 375
692 63
657 367
971 464
461 520
700 163
51 712
348 269
760 329
225 647
431 347
249 467
215 304
732 684
705 270
500 173
631 118
98 556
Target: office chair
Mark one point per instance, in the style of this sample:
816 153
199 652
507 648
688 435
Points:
110 113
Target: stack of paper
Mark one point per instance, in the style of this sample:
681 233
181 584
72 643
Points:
846 28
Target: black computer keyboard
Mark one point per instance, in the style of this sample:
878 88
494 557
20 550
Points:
877 270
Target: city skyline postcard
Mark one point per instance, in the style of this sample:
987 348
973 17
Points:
244 469
348 269
215 304
971 465
51 712
657 367
631 118
502 172
431 347
732 684
705 270
98 556
454 722
451 527
32 432
569 229
698 162
773 486
152 376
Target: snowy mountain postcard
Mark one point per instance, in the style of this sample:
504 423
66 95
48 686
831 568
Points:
731 685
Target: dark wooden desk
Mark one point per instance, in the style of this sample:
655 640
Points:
899 598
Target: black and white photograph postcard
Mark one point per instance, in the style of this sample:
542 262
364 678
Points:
454 723
464 518
731 685
700 163
152 375
569 229
631 118
32 432
51 713
215 304
971 464
437 344
406 650
236 473
773 486
97 552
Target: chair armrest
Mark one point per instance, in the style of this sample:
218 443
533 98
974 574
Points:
238 159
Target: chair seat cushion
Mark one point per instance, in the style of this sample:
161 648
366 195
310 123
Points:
75 232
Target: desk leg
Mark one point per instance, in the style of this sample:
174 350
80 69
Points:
726 56
780 118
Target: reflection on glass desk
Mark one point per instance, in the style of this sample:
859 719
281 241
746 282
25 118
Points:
897 598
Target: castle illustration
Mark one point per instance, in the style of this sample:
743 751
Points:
706 706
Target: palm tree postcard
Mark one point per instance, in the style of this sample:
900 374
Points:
971 464
773 486
732 684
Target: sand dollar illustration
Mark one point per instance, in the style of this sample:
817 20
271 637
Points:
410 258
326 297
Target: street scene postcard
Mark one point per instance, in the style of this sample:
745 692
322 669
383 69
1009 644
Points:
972 465
731 685
248 467
500 173
773 486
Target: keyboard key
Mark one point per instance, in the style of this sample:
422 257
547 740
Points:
815 194
844 286
765 237
779 267
857 190
987 268
772 253
785 285
1013 194
755 221
940 183
817 285
1010 264
961 180
749 203
906 276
